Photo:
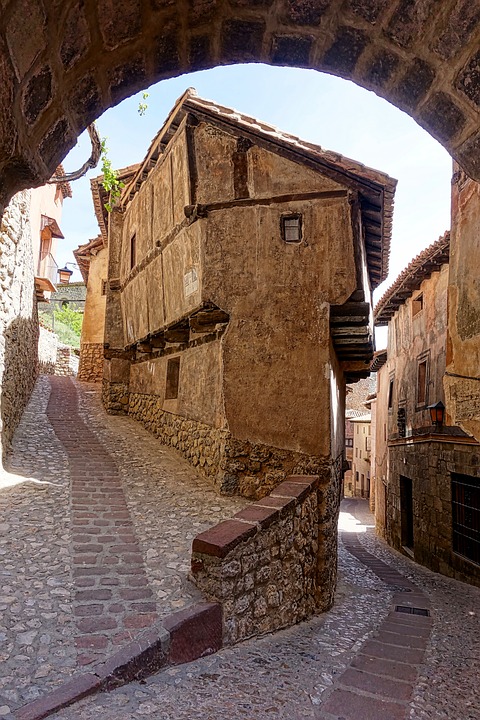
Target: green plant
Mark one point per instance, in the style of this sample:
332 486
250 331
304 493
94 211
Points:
110 181
70 318
142 106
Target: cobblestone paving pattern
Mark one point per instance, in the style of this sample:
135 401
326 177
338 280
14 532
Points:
287 675
448 686
112 599
169 501
36 621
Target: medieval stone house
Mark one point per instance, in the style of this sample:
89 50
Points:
427 475
241 265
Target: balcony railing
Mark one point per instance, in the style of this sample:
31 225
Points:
47 268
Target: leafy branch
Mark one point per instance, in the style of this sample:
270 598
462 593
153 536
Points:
111 184
142 106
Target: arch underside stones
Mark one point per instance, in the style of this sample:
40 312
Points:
63 64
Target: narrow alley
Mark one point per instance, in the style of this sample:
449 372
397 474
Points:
97 521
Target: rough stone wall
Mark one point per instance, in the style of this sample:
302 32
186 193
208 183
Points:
397 48
67 361
262 564
115 397
234 466
18 315
47 351
429 465
91 362
73 293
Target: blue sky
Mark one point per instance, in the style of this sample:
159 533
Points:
323 109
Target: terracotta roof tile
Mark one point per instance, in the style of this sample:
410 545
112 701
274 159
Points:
420 268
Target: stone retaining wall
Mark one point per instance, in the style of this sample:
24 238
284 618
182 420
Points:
91 362
115 397
67 361
47 351
262 565
234 466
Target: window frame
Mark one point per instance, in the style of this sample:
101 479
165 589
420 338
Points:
172 378
421 402
466 517
283 220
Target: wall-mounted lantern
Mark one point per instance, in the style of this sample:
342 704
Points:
437 413
64 275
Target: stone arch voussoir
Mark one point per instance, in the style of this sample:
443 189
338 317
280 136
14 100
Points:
62 65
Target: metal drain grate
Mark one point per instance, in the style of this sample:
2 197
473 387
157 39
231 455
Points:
412 610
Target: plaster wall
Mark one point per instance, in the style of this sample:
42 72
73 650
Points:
361 459
462 381
411 338
380 458
45 200
200 392
93 326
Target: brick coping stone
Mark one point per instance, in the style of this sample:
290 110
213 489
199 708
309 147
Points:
220 540
181 637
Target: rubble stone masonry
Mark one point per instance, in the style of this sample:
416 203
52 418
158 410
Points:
18 315
91 362
234 466
429 466
262 564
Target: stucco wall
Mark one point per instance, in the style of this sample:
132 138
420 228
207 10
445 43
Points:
93 326
463 359
18 315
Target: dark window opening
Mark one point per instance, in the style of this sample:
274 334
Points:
406 510
417 304
390 394
133 251
292 228
466 516
104 287
173 377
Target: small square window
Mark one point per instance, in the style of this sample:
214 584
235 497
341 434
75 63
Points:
417 304
291 228
173 377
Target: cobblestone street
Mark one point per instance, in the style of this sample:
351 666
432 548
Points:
97 520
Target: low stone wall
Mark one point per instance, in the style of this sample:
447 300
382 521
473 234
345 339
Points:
90 368
47 351
233 466
67 361
115 397
200 444
262 565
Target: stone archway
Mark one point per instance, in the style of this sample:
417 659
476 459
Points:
63 64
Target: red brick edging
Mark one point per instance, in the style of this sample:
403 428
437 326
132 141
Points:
180 638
